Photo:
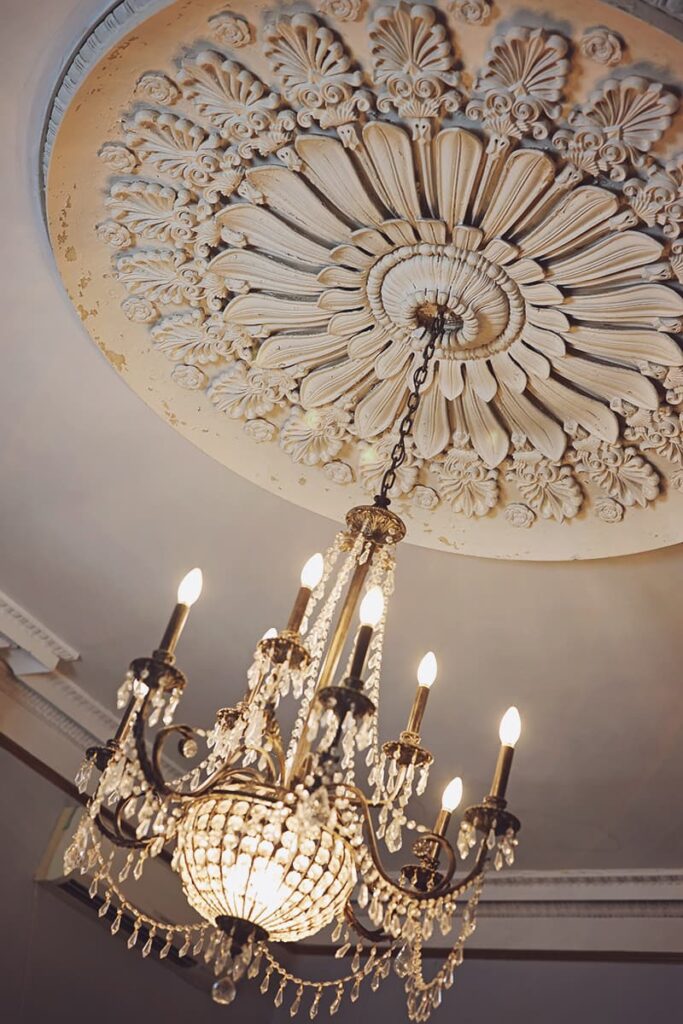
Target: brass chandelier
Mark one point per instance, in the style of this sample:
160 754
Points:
273 843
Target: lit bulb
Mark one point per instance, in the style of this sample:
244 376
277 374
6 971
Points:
371 607
270 634
510 727
426 670
190 587
452 795
312 572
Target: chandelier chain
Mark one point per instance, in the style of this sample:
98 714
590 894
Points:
399 452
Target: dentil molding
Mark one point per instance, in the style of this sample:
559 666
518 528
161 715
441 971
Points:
284 196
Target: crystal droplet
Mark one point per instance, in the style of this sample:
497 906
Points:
491 839
294 1008
197 948
147 948
355 991
342 951
498 860
102 912
255 965
123 873
376 980
166 948
223 991
363 896
403 961
355 963
280 994
92 891
116 923
313 1012
133 937
337 1000
336 934
266 981
185 948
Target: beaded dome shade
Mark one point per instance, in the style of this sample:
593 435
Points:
252 859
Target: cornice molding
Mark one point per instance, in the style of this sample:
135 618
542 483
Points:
27 632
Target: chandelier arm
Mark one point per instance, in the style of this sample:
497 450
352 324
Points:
443 888
372 935
398 454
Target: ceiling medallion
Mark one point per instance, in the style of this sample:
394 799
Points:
281 239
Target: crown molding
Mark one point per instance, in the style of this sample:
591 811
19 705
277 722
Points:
29 634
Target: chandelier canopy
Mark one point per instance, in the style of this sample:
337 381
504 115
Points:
273 844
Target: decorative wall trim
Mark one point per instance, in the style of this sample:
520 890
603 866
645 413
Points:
111 27
24 630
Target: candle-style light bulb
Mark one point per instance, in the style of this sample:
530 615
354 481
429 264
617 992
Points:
426 674
372 607
427 669
370 612
510 727
509 732
311 575
190 587
312 572
452 795
189 590
270 634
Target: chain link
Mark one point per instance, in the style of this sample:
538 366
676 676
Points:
398 452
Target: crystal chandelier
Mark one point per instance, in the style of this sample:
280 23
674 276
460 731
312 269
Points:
273 843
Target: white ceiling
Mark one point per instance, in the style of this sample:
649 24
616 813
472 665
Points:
104 507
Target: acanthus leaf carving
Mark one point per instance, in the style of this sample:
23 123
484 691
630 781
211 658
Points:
175 146
314 435
413 63
615 129
658 198
468 485
315 71
521 84
550 490
659 431
621 473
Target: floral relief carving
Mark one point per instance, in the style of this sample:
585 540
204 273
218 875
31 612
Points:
519 515
189 377
609 510
472 12
230 30
155 87
602 46
286 273
339 472
342 10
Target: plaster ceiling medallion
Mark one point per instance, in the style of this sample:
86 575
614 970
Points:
268 233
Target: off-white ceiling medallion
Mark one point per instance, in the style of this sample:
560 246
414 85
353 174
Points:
258 213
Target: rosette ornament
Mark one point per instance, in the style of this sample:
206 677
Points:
551 307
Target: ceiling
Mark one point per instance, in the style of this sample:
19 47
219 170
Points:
104 507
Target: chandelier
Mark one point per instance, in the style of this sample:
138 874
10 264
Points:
273 842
